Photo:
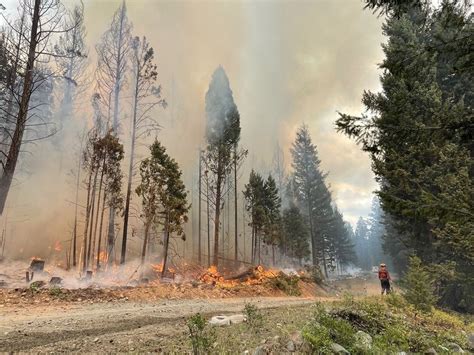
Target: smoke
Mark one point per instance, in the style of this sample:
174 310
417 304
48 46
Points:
287 63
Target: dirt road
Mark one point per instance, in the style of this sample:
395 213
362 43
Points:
113 327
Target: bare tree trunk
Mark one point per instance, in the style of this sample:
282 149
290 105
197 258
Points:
253 246
236 246
14 151
208 226
273 254
199 208
98 210
86 223
74 235
215 261
165 245
89 246
130 173
111 232
145 241
100 229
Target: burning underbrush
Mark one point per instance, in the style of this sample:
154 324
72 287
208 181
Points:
40 283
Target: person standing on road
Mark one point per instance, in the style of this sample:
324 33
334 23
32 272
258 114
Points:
384 278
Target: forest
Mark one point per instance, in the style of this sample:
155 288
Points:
220 177
98 111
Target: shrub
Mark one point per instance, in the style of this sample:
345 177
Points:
201 336
287 284
55 292
318 336
326 328
419 286
253 315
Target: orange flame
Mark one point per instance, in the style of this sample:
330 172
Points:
157 267
255 276
57 246
103 256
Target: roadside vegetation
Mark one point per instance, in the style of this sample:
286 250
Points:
370 325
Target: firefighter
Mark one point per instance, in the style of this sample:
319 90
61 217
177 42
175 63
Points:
384 278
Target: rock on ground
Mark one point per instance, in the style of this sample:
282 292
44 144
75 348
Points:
219 320
363 341
455 348
338 349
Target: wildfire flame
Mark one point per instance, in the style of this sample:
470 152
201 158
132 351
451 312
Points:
157 267
253 276
103 256
57 246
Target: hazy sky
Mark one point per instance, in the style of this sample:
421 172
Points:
288 62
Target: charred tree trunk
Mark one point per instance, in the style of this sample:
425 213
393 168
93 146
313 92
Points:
165 245
86 224
110 236
98 211
273 254
145 241
199 208
215 261
14 151
130 173
89 246
208 226
118 74
100 229
74 233
236 244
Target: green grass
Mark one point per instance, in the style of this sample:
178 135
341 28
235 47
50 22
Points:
393 324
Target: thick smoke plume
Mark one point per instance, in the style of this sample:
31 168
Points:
287 63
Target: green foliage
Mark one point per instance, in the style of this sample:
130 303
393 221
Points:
104 154
326 328
223 135
418 285
263 206
330 245
253 315
286 283
55 292
418 131
35 286
202 337
316 274
164 196
392 323
318 336
295 234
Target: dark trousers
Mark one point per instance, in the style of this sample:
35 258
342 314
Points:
385 286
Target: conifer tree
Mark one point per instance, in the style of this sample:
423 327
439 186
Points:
419 136
164 198
295 241
419 289
312 194
222 134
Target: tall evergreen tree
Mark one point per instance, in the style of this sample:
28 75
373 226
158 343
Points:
254 195
164 198
420 138
222 134
361 236
341 242
296 239
312 194
272 223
